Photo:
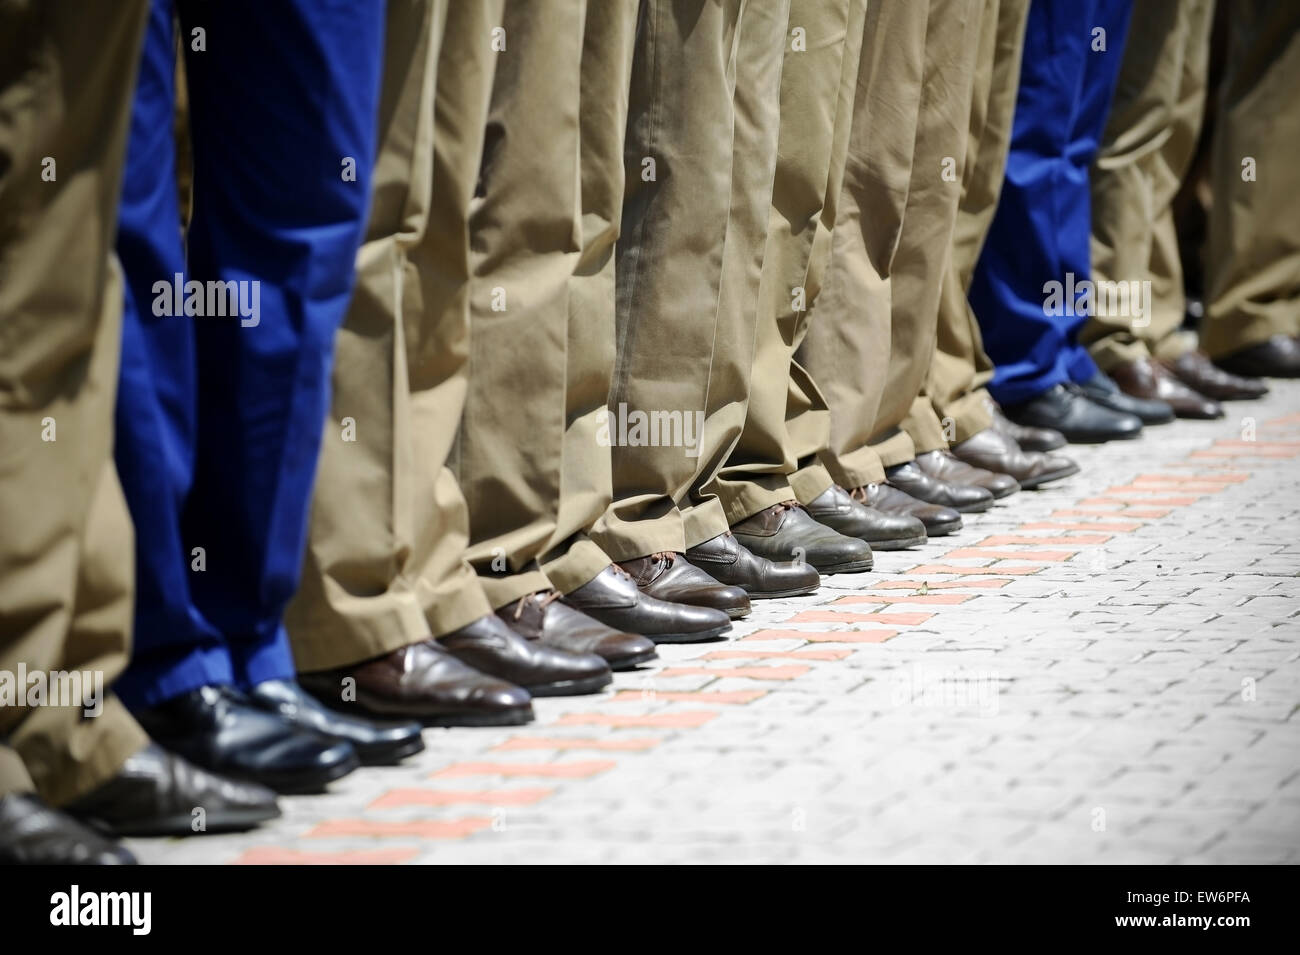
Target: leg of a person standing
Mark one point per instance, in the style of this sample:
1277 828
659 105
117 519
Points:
760 464
848 344
736 356
807 415
65 565
283 100
525 242
176 647
284 204
668 264
961 369
957 405
365 619
906 425
1039 239
1253 315
372 514
668 338
754 487
571 558
1148 145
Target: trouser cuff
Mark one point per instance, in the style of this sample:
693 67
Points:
810 483
895 449
578 565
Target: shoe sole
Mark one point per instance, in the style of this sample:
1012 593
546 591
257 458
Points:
979 508
592 684
899 543
849 567
776 594
516 716
629 663
1050 476
306 783
1101 439
698 637
943 530
391 754
182 824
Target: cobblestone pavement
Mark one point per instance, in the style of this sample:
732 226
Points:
1102 671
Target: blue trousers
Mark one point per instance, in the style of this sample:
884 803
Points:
1042 228
219 418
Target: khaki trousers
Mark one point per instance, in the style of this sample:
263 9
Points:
385 563
67 71
787 422
678 355
871 346
1254 255
925 246
958 399
571 558
525 243
1147 150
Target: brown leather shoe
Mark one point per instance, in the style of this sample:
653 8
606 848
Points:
943 465
1279 357
1196 371
544 617
994 451
666 576
726 559
939 521
424 682
1146 378
1029 439
612 597
838 510
487 644
786 531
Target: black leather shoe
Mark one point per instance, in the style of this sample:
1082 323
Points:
1279 357
377 742
544 617
1102 390
667 576
994 451
156 793
612 598
724 558
491 647
788 532
838 510
943 465
217 728
938 521
1028 438
1075 415
31 833
421 681
964 498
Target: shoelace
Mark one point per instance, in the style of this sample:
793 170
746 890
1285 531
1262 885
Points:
860 493
542 602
